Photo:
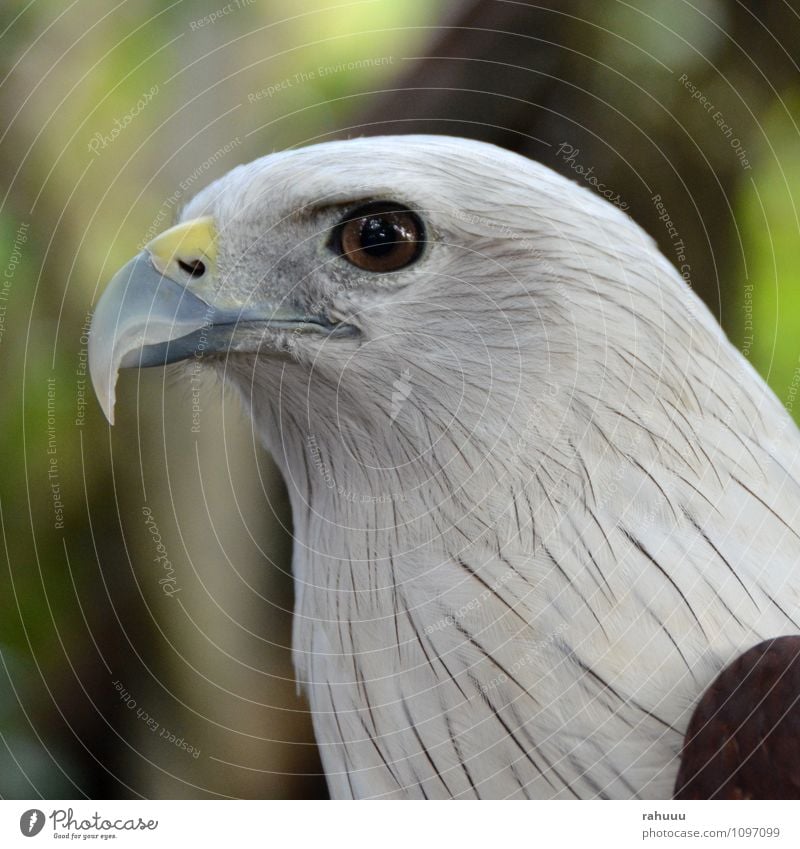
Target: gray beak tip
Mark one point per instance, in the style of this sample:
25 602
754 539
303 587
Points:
139 308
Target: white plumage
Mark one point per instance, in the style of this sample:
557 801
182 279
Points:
539 499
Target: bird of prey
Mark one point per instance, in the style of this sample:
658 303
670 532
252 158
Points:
540 501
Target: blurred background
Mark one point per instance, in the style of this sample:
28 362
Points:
145 588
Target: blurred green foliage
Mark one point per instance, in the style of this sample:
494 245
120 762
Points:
768 213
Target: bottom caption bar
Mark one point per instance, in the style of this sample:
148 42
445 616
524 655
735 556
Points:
329 825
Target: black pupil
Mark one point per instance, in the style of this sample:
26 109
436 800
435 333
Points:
380 235
194 267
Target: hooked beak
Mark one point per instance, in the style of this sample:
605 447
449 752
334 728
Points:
165 305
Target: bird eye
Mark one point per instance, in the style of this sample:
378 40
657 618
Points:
379 236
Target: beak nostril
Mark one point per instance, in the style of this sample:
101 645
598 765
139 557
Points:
194 268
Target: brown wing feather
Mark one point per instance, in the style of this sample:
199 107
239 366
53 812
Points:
743 741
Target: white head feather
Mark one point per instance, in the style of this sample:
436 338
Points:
534 499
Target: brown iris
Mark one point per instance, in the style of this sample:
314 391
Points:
379 236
